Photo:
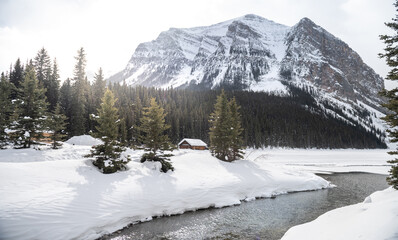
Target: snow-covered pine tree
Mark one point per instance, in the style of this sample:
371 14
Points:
391 56
108 155
153 128
57 125
5 109
31 110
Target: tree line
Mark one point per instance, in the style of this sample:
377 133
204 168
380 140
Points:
295 120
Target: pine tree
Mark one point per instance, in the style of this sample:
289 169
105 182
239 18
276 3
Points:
98 88
123 132
42 65
53 87
16 77
226 130
31 111
5 109
65 99
153 128
235 131
391 56
78 118
57 125
220 128
107 155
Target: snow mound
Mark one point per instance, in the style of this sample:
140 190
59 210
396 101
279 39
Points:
84 140
376 218
70 199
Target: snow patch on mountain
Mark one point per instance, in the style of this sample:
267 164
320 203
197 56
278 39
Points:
256 54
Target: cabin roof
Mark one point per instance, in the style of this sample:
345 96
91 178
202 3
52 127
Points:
194 142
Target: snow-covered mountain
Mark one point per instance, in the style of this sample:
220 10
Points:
253 53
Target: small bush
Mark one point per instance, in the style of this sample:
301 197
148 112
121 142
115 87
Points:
108 159
163 159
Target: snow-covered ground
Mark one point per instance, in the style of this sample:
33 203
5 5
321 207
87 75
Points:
59 194
325 161
374 219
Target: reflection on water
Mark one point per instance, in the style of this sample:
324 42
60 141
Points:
260 219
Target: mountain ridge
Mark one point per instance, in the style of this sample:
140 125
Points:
256 54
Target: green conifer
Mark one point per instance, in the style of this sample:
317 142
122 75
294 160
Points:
57 125
220 128
236 131
5 109
78 118
153 128
31 111
391 56
225 129
108 155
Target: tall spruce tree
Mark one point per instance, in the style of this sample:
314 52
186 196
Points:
53 87
235 131
153 128
65 100
391 56
107 155
57 125
42 65
31 110
225 129
98 88
16 77
5 109
220 128
78 118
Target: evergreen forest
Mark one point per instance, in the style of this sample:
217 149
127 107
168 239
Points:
294 120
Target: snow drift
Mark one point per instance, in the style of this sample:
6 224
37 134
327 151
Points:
58 194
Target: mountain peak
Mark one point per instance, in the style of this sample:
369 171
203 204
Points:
252 53
252 16
306 21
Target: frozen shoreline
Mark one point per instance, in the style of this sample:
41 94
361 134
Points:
373 219
58 194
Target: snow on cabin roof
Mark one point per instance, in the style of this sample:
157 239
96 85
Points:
194 142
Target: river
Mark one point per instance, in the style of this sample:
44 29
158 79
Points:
260 219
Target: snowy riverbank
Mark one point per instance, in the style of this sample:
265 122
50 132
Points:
375 218
324 160
58 194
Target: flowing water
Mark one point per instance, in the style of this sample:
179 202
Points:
262 218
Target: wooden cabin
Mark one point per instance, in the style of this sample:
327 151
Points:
195 144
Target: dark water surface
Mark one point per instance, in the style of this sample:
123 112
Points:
262 218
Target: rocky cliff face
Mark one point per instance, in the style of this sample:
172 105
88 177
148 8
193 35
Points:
253 53
317 57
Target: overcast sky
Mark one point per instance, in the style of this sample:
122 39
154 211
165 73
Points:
110 30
